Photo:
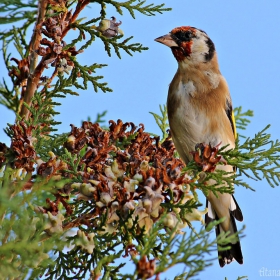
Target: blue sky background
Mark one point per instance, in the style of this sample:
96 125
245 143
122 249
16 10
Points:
247 39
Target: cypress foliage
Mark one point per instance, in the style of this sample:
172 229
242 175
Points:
81 204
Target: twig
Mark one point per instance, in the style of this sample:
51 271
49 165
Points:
34 76
81 5
77 222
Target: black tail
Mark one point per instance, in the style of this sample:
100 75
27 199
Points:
227 256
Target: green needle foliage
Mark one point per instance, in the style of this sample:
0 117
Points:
81 204
23 248
162 121
241 118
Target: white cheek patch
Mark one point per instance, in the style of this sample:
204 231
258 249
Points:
199 49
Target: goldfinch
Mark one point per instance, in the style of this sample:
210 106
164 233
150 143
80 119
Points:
199 110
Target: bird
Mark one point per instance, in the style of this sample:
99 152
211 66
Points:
199 108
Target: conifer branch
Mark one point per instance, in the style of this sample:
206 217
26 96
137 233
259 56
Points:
241 118
162 121
98 195
34 72
148 10
259 156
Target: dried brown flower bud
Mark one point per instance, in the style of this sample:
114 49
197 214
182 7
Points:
21 72
136 178
206 156
57 48
3 151
146 268
22 145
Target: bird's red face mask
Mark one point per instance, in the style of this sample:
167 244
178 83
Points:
180 41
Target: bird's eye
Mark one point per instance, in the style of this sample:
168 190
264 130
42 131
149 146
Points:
184 35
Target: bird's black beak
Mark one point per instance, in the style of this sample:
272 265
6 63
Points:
167 40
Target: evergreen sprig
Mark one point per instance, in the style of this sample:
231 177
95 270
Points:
257 158
17 10
241 118
148 10
188 249
10 98
100 116
93 197
84 72
5 100
162 121
21 246
88 28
